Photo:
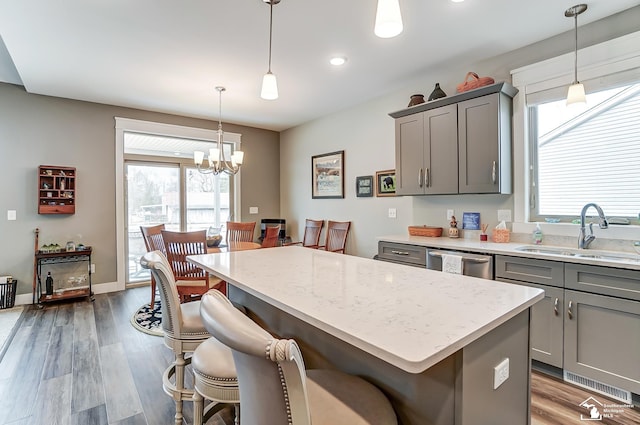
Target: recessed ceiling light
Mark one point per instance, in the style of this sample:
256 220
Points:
457 1
338 60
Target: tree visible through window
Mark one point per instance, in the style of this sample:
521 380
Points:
590 155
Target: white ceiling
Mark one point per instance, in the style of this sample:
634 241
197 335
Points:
168 55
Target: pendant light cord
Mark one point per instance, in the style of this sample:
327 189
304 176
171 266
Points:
271 31
575 59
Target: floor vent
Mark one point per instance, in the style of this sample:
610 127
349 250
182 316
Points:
597 386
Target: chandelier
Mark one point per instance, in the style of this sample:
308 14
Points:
217 159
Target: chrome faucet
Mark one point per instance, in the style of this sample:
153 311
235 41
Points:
585 240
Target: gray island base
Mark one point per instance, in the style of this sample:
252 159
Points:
430 340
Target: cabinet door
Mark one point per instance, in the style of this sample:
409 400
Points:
410 155
546 324
602 339
484 138
441 150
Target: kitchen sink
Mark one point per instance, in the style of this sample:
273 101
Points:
581 253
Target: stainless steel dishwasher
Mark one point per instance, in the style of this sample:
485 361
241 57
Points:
476 265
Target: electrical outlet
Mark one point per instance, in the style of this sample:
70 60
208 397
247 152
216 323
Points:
500 373
450 213
11 214
504 215
253 210
392 213
93 268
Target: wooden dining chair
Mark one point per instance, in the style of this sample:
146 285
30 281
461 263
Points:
312 230
191 280
276 389
153 242
240 231
336 239
270 238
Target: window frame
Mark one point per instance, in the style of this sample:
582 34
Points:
123 125
616 59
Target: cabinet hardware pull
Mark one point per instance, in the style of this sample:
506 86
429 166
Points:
493 173
569 312
555 307
400 252
420 177
427 178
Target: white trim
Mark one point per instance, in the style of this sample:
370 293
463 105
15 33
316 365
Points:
597 61
123 125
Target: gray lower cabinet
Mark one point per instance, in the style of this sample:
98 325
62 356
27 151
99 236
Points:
602 325
547 327
411 255
602 339
589 321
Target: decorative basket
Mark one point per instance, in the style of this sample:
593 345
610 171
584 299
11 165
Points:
501 235
433 232
473 83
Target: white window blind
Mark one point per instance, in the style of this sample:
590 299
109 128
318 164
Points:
593 156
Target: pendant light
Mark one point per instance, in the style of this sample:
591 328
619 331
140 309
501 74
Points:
388 19
269 83
218 162
576 94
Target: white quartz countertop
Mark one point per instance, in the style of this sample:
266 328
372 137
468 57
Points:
472 245
407 316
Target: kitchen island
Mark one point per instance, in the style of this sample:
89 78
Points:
429 340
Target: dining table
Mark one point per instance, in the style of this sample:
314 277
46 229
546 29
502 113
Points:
233 246
446 349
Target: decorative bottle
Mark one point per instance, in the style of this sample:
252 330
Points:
437 93
49 284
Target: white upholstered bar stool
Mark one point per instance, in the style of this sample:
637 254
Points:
275 389
183 333
214 375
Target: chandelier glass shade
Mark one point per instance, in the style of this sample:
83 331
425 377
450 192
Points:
219 161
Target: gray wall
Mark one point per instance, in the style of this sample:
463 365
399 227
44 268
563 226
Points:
366 133
37 130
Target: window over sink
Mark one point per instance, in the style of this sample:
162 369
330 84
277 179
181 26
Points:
565 158
588 153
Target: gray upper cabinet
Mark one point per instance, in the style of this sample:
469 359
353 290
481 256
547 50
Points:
484 140
427 148
457 144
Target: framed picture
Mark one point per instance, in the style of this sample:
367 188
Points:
471 221
327 175
364 186
386 183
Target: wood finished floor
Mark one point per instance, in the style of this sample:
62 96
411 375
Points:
83 363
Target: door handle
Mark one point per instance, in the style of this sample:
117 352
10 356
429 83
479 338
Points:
493 173
555 307
420 177
569 312
427 177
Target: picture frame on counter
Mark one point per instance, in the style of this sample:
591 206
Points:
386 183
364 186
327 175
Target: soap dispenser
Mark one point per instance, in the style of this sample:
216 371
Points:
537 235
